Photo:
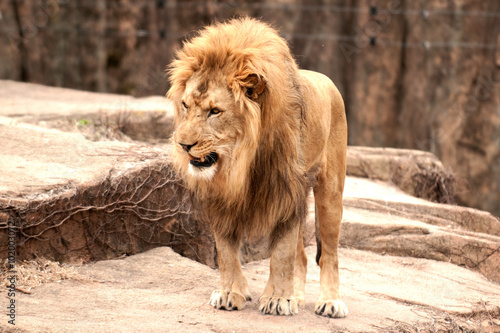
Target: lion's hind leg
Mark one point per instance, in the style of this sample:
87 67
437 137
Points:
328 195
233 291
299 282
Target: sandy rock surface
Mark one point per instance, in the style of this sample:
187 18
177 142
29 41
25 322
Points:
97 115
380 217
160 291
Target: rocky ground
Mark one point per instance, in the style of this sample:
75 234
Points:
160 291
85 177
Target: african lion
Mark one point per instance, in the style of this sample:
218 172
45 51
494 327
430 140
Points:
252 134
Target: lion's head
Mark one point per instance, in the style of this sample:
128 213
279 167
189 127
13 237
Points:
234 88
213 127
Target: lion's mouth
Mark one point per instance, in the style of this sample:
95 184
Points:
204 162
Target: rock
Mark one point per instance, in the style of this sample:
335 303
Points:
74 199
108 116
416 172
383 219
169 292
405 88
97 116
452 112
62 178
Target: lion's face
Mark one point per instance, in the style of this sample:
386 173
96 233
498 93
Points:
208 128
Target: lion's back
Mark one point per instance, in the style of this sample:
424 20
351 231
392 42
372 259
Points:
325 115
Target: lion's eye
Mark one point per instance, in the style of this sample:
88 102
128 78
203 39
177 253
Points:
213 112
184 105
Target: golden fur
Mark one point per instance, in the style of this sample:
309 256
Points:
239 94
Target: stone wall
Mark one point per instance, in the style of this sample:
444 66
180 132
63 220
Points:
414 74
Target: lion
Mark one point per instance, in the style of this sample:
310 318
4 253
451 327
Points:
252 134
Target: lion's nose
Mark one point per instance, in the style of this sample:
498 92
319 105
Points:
187 147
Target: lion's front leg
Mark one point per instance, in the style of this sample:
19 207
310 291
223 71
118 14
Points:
278 296
233 291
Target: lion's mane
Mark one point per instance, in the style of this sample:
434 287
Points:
263 190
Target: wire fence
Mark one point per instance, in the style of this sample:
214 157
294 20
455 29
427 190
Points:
320 37
395 4
392 8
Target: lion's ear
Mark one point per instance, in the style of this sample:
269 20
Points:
255 85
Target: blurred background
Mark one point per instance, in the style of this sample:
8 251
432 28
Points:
420 74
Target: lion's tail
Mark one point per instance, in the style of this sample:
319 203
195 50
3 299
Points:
318 237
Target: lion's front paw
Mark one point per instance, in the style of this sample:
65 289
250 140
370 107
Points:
331 308
278 306
228 300
300 298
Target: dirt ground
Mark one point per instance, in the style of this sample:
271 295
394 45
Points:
160 291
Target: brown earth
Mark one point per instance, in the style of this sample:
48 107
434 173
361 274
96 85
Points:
78 196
